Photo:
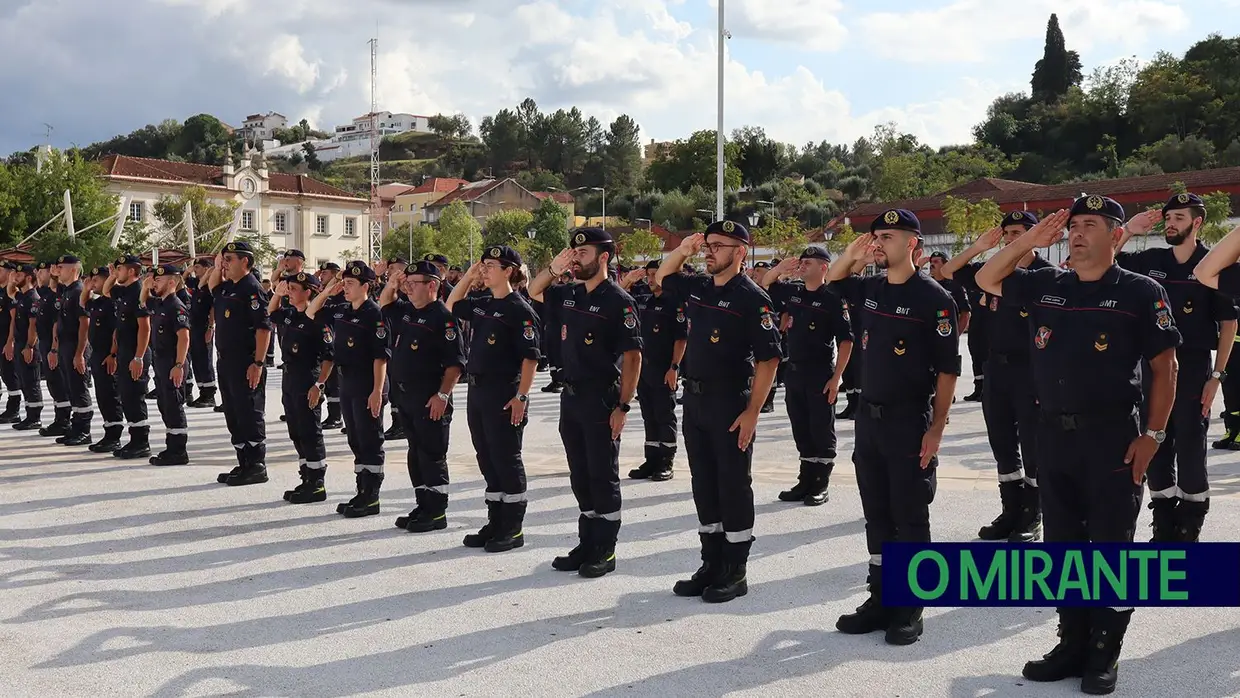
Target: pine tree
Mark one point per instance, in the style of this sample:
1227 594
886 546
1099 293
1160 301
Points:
1059 68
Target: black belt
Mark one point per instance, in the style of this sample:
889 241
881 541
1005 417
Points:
1084 420
893 409
694 386
575 388
483 379
1006 358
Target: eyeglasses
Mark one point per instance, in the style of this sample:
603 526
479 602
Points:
492 265
713 247
416 281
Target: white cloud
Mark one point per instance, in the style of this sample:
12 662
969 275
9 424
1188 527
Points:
286 58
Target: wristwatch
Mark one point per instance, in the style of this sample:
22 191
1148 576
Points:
179 365
1158 436
444 396
624 407
320 386
676 367
260 364
1219 376
522 397
53 350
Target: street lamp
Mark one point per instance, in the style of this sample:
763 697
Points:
603 190
531 233
768 203
648 222
753 223
707 212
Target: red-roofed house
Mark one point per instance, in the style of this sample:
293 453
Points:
294 211
408 204
485 198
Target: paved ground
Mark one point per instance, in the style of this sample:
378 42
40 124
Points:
131 580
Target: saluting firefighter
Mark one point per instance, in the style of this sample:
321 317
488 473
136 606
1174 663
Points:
1095 325
733 353
1206 319
48 288
1215 271
501 362
427 357
23 346
69 347
8 369
819 329
601 344
912 359
243 330
1009 404
102 333
129 347
360 353
307 352
201 333
170 326
329 272
661 318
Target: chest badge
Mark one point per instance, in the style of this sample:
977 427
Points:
227 313
899 348
294 348
450 334
491 339
654 329
994 304
413 346
1188 307
563 332
1043 337
1162 315
865 339
714 336
349 342
1101 343
1024 313
589 338
812 325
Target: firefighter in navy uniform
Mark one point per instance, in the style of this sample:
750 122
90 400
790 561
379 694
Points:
8 369
959 294
328 272
70 344
1094 326
819 324
170 330
360 351
23 346
1206 319
102 331
664 338
602 344
384 269
48 288
978 338
1219 270
733 353
427 354
501 362
307 351
912 360
129 346
441 266
1009 405
243 331
851 384
1230 441
201 334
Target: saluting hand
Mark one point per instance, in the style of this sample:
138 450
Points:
860 247
930 443
1049 230
1143 222
691 245
282 289
745 426
633 276
988 240
1140 452
562 262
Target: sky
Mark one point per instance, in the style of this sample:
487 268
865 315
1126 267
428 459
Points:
804 70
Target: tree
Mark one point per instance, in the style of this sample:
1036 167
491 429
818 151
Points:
441 125
550 223
410 242
457 232
623 154
203 139
540 180
639 244
1058 69
208 216
31 195
507 227
842 238
760 158
693 162
312 157
503 135
785 236
968 219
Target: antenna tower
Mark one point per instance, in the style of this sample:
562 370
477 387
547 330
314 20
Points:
376 228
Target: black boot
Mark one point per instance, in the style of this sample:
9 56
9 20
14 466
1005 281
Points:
368 485
153 394
333 420
175 453
511 532
418 499
1106 638
870 615
311 488
1231 438
1190 516
1010 494
642 471
242 463
572 561
904 625
601 554
488 530
433 514
32 420
79 435
1028 527
1164 523
1066 659
662 470
253 471
816 493
139 445
60 426
110 442
976 395
850 408
730 583
206 398
712 564
12 410
397 431
797 492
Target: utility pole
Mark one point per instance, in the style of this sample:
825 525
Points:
719 163
376 228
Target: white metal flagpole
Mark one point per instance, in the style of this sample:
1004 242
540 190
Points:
189 229
69 215
719 163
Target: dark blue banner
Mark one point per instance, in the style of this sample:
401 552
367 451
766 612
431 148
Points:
1061 574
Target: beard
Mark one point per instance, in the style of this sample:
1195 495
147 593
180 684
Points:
882 263
584 271
1174 237
717 265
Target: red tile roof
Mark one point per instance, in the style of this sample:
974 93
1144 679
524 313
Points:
435 185
211 176
466 192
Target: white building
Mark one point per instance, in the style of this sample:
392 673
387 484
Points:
261 127
292 211
386 123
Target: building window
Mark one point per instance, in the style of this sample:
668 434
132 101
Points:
320 225
136 211
281 222
318 263
350 227
247 220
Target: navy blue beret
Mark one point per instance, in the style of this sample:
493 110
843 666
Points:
295 253
503 254
423 268
306 280
167 270
358 270
590 236
397 260
329 266
816 252
436 258
1187 200
1095 205
897 219
25 268
732 229
101 271
1025 218
240 248
67 259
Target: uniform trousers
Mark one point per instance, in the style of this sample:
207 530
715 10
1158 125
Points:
77 387
8 370
1010 409
593 456
497 442
719 472
1086 489
1231 386
244 409
133 396
979 347
29 376
55 381
896 492
304 427
1178 469
428 438
201 358
850 382
106 395
171 403
811 416
365 431
658 403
